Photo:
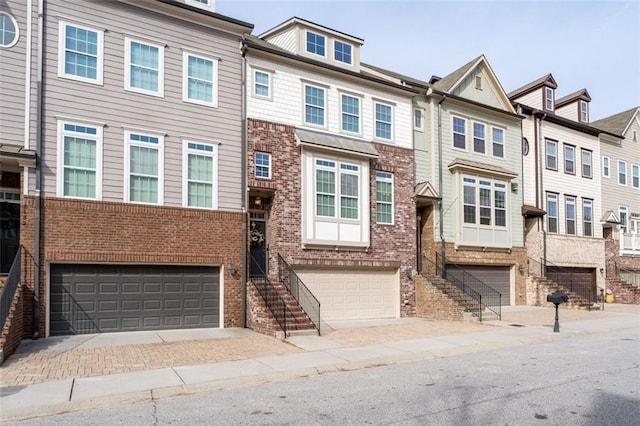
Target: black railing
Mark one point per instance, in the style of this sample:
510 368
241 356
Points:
272 299
565 280
307 301
10 287
488 297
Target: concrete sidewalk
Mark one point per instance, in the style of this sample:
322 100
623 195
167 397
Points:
128 367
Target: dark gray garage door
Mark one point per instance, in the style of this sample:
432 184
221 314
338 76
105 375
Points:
107 298
496 277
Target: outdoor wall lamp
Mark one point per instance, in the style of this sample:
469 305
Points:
232 268
258 201
521 268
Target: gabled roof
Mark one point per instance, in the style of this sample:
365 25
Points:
609 217
449 82
295 20
617 123
426 190
546 80
581 94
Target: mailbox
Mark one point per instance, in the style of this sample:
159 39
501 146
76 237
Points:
557 298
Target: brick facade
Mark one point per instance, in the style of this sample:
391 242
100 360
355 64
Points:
391 246
81 231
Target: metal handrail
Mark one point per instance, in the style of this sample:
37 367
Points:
307 301
10 287
489 297
274 302
564 280
632 276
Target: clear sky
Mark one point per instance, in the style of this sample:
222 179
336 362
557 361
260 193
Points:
583 44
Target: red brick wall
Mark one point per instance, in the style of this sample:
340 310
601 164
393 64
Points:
13 327
119 233
391 247
259 318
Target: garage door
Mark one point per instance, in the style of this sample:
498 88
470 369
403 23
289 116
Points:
573 277
107 298
353 295
496 277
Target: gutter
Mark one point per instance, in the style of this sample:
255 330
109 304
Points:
541 191
441 209
27 86
38 189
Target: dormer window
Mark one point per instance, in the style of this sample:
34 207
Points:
342 52
316 43
548 98
584 112
204 4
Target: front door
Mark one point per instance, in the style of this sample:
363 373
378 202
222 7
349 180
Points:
258 248
9 230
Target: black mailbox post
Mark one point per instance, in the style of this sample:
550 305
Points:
557 298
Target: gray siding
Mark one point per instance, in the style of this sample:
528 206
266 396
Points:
119 109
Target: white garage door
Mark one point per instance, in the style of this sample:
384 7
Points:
351 295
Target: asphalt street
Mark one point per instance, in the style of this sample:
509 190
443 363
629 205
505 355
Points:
586 380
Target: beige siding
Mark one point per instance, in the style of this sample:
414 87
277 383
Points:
486 94
533 99
569 111
529 164
285 40
168 115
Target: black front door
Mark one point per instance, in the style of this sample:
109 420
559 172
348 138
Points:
258 250
9 234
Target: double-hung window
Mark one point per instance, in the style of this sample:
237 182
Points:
262 165
459 133
635 176
262 84
417 119
586 163
337 189
606 167
314 105
479 137
552 212
384 197
342 52
144 67
548 98
552 154
622 172
570 159
143 168
350 113
587 217
623 211
570 214
584 111
79 160
316 43
200 164
384 121
200 76
498 142
80 53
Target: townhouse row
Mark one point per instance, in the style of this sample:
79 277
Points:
152 175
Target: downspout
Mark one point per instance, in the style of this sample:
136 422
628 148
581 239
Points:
243 273
441 209
27 86
38 194
544 227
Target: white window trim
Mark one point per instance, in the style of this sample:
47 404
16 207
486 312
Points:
255 165
304 105
127 67
62 49
334 52
582 164
209 5
622 208
483 138
453 133
635 171
586 201
570 200
15 24
572 148
419 128
548 98
185 80
393 197
359 98
185 173
584 119
557 216
607 167
60 159
375 120
269 87
326 48
492 206
626 180
504 133
127 164
546 154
